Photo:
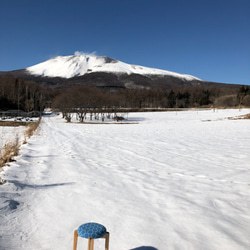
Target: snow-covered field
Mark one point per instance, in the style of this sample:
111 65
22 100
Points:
175 180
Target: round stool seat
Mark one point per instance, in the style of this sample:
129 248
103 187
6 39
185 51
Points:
92 230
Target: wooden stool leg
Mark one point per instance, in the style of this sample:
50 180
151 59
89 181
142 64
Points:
92 244
75 240
89 243
107 241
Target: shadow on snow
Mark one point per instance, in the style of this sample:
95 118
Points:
24 185
144 248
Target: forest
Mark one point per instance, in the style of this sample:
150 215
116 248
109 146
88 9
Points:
19 94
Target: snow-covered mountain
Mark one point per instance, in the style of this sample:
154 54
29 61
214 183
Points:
81 64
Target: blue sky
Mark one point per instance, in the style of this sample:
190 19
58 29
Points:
209 39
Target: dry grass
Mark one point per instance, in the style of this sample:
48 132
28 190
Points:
13 123
247 116
11 149
31 128
241 117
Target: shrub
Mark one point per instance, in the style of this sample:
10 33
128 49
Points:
226 101
246 101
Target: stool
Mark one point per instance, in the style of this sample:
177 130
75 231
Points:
91 231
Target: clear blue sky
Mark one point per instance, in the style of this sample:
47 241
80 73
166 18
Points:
209 39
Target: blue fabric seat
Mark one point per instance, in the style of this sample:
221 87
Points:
92 230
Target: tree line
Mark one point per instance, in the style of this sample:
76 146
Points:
16 93
23 95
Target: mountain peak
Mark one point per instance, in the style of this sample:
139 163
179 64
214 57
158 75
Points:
80 64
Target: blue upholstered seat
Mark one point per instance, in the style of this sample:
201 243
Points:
93 230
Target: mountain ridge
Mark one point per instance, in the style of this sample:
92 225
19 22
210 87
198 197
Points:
80 64
107 73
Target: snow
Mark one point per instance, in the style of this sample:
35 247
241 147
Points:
80 64
174 180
